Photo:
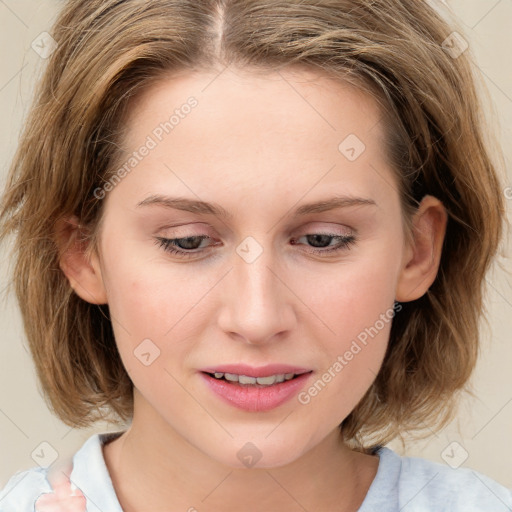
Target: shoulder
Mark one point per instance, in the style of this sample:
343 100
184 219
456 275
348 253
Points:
423 485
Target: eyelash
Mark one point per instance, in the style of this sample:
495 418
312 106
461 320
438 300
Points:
168 244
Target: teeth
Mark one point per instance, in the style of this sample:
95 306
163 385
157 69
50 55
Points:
244 379
267 381
262 381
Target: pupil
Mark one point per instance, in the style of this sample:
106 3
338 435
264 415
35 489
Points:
184 243
316 238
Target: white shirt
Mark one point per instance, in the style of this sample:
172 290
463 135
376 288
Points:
402 484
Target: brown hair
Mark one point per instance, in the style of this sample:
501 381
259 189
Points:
110 50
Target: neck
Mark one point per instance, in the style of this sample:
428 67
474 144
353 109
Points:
152 468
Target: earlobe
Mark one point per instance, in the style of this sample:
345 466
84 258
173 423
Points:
423 256
80 266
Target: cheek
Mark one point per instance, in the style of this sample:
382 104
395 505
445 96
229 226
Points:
353 294
356 302
156 309
146 297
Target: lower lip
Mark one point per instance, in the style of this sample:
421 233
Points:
255 398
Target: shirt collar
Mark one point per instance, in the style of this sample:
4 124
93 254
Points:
91 476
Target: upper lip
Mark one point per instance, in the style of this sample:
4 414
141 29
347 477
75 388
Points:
255 371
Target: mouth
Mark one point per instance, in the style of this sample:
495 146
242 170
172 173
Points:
255 393
246 380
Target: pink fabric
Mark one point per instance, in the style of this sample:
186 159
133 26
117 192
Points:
65 496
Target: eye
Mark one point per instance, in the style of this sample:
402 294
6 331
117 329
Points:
182 247
320 240
187 247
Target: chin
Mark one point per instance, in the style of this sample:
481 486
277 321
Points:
258 452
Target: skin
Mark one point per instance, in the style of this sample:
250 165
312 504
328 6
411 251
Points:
259 145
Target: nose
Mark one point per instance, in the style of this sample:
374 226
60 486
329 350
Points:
258 306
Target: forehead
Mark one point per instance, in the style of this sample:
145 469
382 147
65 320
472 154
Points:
283 130
303 101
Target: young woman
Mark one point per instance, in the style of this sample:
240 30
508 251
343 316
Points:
256 232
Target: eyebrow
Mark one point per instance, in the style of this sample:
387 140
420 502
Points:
202 207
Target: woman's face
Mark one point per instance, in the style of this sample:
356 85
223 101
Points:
270 270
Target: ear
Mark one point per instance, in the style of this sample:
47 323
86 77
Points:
423 255
80 265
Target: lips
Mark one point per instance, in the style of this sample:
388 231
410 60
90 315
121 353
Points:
244 394
252 371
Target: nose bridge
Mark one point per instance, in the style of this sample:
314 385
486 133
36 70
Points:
256 303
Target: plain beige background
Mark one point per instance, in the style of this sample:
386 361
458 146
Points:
480 438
